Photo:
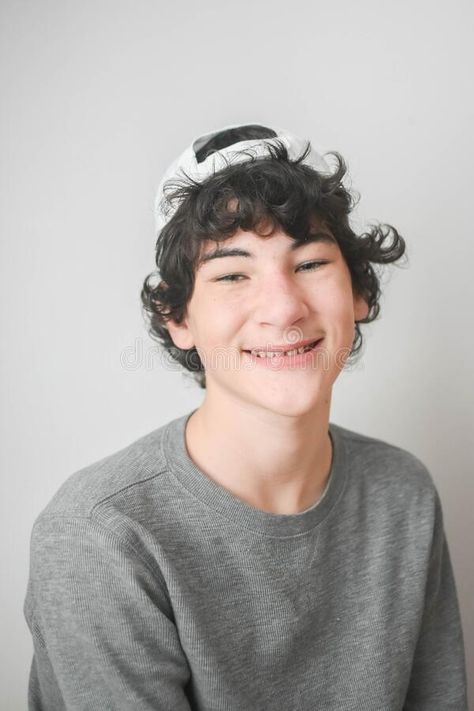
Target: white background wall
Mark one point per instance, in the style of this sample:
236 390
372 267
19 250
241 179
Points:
97 98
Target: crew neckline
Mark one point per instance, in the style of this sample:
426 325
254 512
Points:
239 512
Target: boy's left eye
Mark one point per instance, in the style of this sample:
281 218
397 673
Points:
312 265
306 267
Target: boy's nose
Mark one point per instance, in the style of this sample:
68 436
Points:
280 302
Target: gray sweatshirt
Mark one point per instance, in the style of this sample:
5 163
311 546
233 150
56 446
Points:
152 587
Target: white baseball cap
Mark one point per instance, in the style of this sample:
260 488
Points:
186 165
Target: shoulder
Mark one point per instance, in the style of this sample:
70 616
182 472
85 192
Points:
386 471
390 493
110 505
132 469
102 517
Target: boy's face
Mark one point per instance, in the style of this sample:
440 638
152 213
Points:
275 297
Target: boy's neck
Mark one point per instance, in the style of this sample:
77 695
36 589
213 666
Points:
279 465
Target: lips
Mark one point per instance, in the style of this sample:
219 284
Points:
281 360
283 348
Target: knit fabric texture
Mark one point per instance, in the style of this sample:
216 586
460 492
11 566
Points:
154 588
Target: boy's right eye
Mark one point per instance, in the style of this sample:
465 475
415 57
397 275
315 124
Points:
230 277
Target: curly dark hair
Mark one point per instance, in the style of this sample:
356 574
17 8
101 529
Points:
276 190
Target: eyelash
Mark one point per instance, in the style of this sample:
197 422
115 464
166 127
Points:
315 263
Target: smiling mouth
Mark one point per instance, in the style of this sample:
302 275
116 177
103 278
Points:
285 354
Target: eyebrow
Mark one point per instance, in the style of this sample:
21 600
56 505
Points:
319 237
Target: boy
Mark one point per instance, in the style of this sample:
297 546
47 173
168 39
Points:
251 555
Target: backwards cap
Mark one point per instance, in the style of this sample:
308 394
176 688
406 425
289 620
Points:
186 164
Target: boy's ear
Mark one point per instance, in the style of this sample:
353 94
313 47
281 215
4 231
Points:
361 307
180 333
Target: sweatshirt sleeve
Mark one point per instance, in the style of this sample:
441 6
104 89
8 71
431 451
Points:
438 677
102 626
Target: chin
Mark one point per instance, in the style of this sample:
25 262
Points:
291 404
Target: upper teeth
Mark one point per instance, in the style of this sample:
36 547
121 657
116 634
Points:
272 354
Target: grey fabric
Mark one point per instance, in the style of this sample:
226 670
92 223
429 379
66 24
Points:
153 587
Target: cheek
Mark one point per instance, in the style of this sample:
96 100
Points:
215 323
335 298
338 309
